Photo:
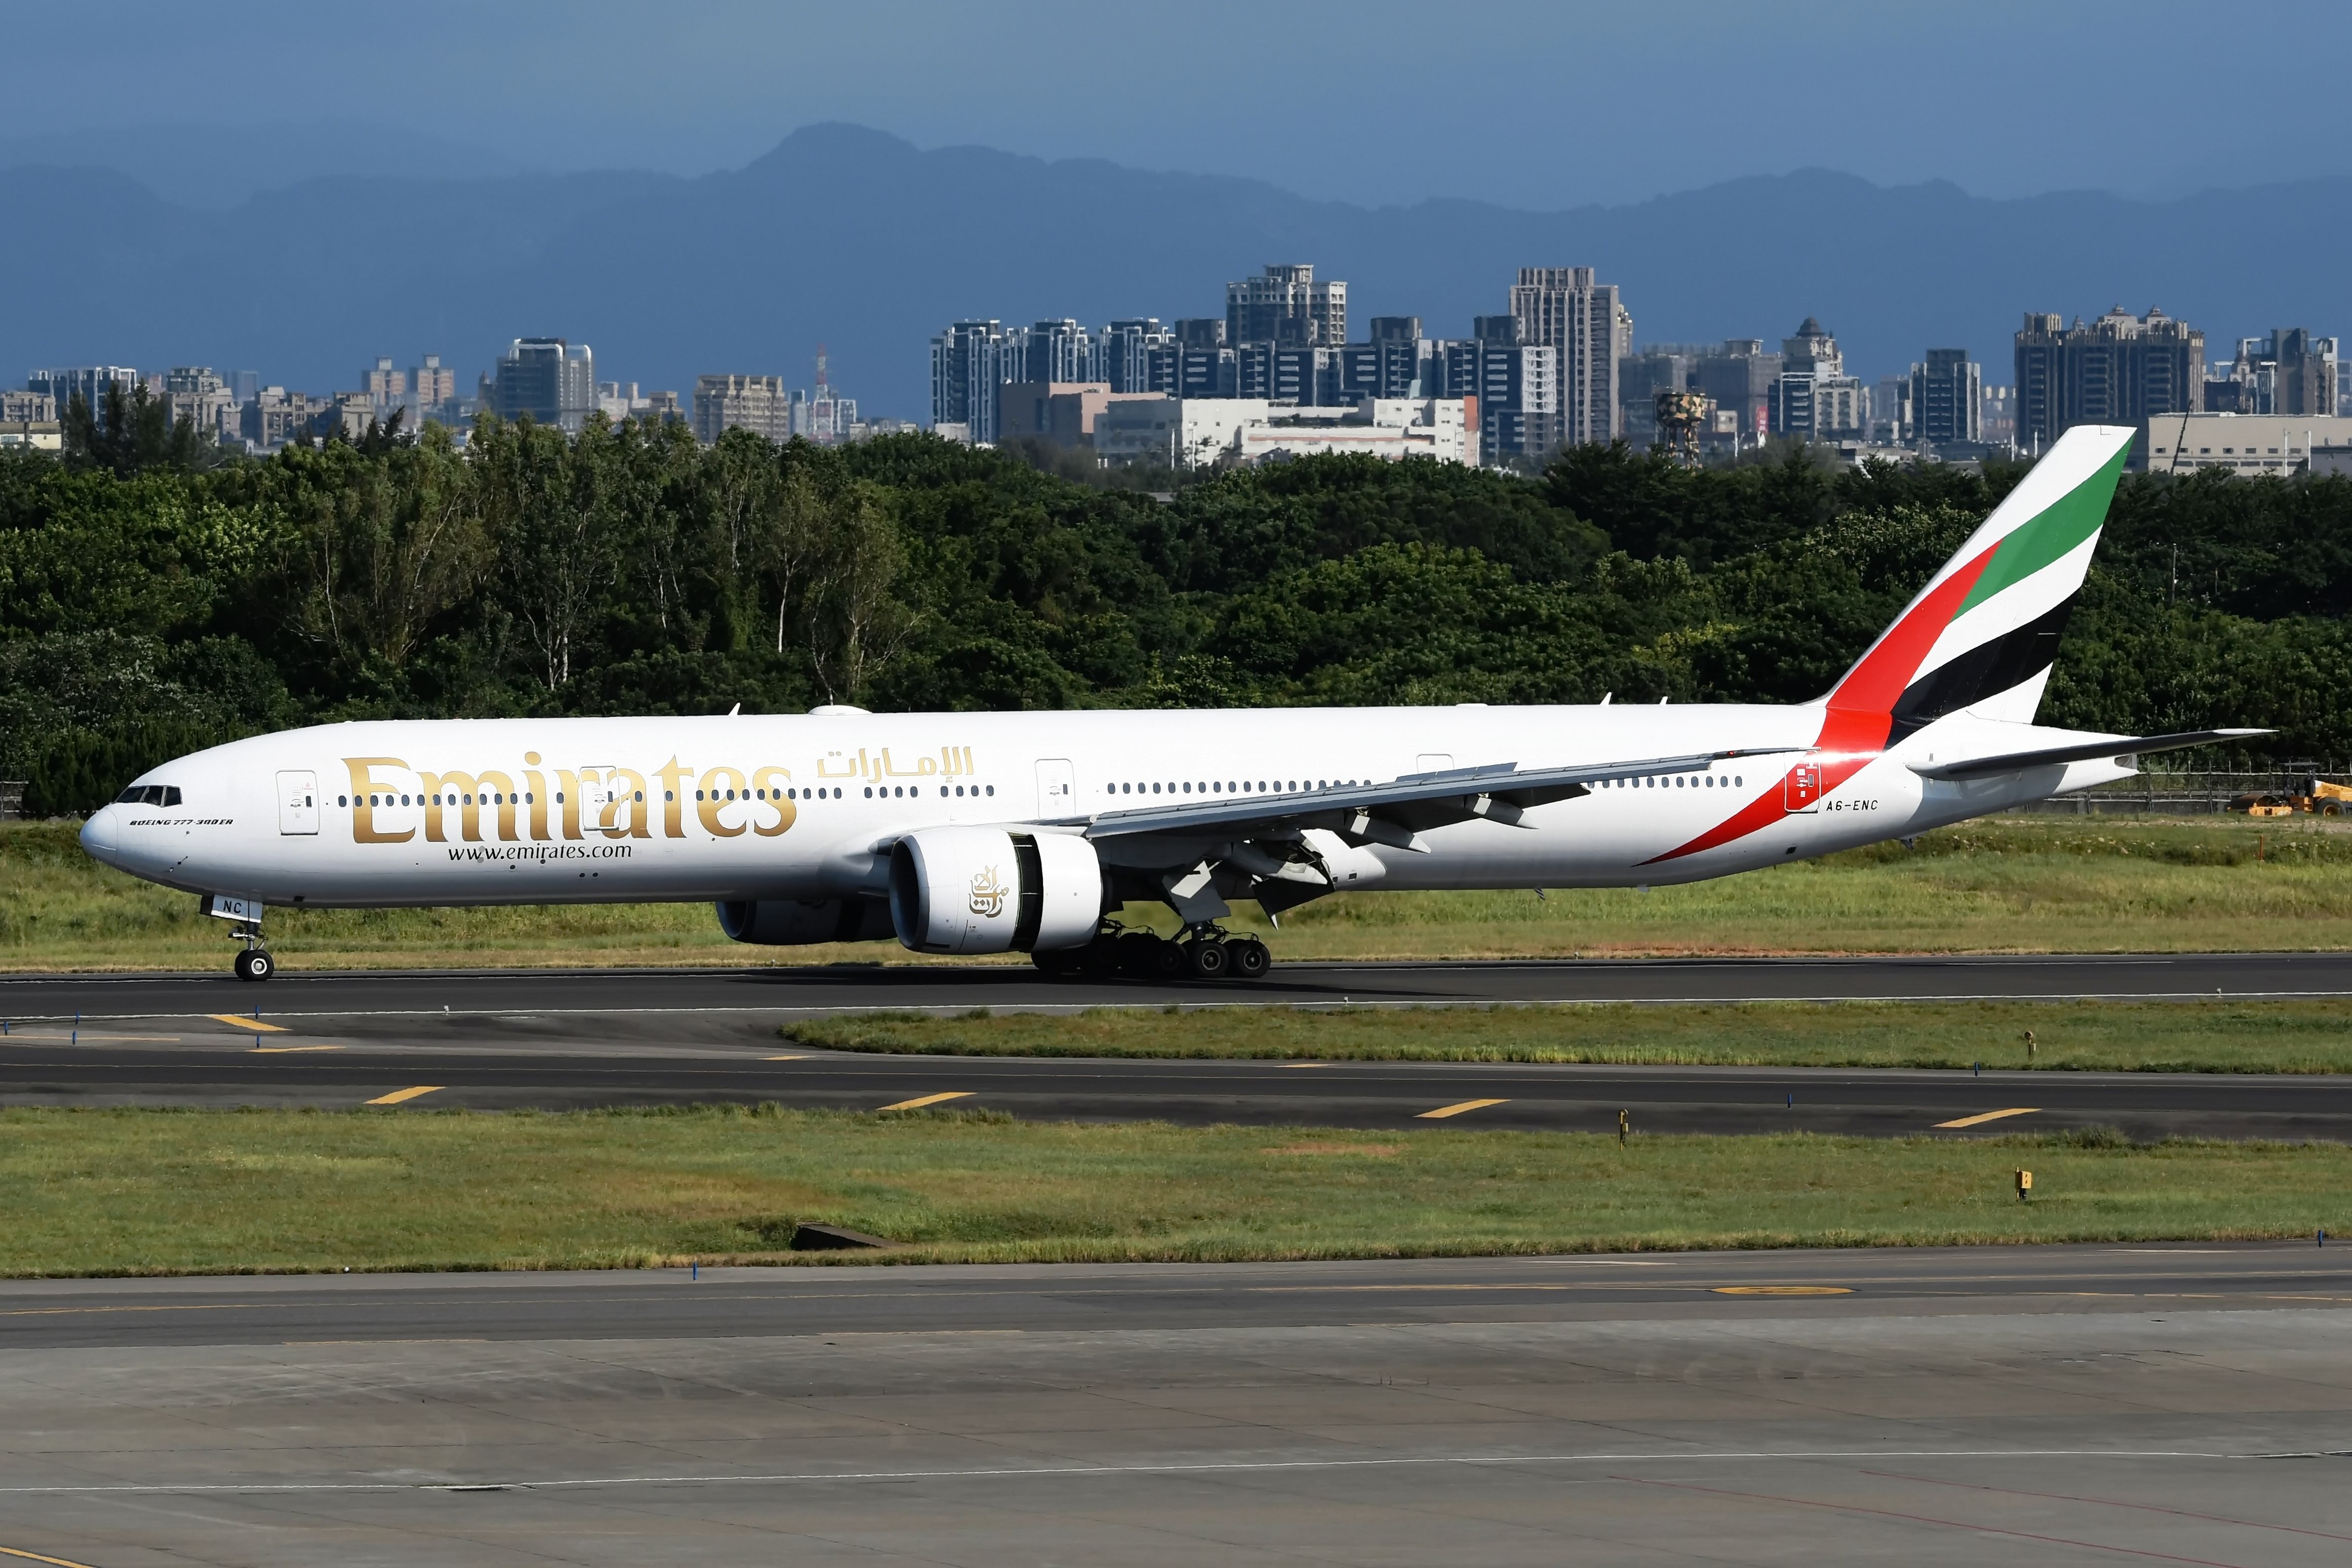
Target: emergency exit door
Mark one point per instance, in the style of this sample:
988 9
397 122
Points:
298 803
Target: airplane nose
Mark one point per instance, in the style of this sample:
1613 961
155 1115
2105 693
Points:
100 833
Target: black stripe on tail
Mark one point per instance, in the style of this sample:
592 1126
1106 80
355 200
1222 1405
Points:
1985 670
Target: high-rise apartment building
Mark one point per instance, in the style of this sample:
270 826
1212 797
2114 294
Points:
1814 399
755 403
1128 353
198 397
1948 398
88 382
967 367
387 388
432 393
1585 324
1513 385
552 380
2119 370
1285 306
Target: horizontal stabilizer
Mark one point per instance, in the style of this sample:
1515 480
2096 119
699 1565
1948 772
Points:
2083 751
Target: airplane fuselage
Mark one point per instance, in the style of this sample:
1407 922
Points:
524 810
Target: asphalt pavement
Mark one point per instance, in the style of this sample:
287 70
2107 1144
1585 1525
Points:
560 1040
2050 1405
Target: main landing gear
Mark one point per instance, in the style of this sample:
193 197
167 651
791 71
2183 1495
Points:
1204 952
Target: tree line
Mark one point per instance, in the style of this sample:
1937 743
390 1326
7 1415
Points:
151 604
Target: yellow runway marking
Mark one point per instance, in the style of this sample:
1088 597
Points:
1992 1116
249 1025
1306 1064
922 1099
36 1557
1445 1110
783 1059
1783 1291
397 1095
290 1050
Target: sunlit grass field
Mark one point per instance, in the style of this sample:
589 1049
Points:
2030 884
136 1192
2261 1037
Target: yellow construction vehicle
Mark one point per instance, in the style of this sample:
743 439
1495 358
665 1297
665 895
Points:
2311 797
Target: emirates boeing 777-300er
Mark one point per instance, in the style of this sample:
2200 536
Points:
979 833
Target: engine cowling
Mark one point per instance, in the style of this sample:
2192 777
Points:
789 922
985 889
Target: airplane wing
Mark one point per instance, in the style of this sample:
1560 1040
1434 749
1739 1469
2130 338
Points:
2083 751
1394 812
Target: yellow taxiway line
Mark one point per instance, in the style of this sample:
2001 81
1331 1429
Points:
36 1557
397 1095
1444 1110
922 1099
249 1025
1990 1116
291 1050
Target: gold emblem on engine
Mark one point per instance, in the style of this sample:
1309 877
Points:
988 894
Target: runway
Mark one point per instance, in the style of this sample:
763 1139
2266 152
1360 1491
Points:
782 990
2054 1406
573 1039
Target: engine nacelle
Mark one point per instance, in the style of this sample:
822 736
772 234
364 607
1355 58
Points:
789 922
984 889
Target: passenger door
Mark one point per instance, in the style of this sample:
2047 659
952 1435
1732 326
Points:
1057 788
1804 787
298 803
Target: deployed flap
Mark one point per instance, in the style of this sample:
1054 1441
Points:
1500 792
2083 751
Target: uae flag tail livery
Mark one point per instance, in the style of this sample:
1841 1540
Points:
1974 649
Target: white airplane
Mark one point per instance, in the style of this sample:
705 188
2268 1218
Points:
979 833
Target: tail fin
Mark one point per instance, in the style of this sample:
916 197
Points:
1983 633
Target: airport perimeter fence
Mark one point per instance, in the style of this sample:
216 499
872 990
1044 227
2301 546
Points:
2186 793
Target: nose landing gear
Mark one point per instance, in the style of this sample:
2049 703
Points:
254 963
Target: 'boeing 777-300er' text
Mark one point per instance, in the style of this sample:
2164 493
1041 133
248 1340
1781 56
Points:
975 833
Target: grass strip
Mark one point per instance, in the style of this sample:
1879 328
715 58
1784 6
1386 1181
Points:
2023 884
2312 1037
148 1192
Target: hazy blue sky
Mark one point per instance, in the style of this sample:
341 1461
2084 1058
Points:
1521 102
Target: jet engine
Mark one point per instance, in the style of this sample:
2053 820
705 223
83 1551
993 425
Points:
789 922
984 889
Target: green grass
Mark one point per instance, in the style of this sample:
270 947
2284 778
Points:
2121 1036
2040 884
141 1192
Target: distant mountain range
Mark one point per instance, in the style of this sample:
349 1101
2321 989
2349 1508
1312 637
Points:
855 239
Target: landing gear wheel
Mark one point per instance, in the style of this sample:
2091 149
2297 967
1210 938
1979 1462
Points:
1211 957
254 963
1061 961
1170 962
1250 958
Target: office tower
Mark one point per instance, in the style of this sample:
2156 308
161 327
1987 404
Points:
1641 376
1285 305
1739 377
755 403
244 385
552 380
967 367
2305 385
2119 370
1947 397
1582 321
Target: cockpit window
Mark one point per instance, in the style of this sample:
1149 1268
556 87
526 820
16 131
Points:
149 794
